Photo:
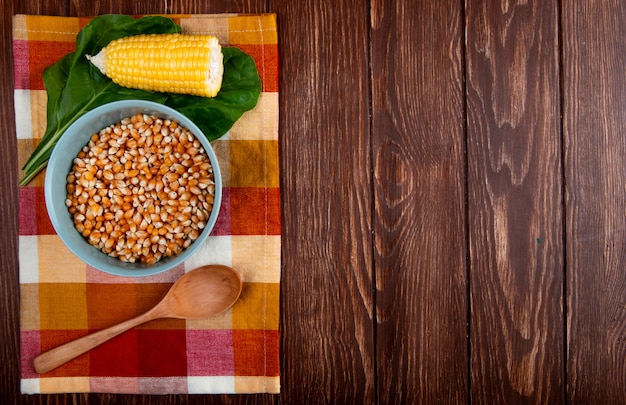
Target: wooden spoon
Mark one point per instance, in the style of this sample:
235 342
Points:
201 293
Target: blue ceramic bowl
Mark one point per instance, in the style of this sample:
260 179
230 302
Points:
60 163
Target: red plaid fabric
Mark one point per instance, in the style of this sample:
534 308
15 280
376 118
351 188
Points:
63 298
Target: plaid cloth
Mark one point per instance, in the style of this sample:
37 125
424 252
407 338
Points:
63 299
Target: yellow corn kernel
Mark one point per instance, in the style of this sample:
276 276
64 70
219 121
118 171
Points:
170 63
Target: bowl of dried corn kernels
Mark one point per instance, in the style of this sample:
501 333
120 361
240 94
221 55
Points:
133 188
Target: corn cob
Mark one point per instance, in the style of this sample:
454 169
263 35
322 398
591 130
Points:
170 63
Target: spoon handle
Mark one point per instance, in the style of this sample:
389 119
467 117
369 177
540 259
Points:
62 354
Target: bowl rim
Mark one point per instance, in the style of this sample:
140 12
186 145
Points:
116 266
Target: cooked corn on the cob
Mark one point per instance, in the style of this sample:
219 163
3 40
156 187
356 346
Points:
170 63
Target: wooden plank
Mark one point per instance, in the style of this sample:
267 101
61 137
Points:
86 8
327 310
9 283
515 202
419 221
594 100
47 7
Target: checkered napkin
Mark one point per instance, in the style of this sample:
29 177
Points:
63 299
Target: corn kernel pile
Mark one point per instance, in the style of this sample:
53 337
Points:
141 189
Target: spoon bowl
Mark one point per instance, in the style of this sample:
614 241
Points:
201 293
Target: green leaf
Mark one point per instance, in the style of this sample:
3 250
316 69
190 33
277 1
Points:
74 86
241 87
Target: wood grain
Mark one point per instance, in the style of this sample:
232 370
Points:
515 202
594 101
419 222
95 7
446 237
9 301
327 313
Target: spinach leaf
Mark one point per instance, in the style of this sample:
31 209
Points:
241 87
74 86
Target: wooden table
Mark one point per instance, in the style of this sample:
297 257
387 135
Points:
453 200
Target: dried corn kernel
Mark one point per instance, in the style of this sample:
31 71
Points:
132 216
